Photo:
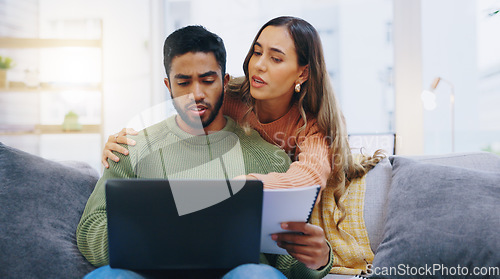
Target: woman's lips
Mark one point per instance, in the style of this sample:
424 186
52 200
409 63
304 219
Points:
257 82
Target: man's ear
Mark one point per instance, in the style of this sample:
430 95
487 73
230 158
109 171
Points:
167 83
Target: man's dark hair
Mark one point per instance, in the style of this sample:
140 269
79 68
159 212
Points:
193 38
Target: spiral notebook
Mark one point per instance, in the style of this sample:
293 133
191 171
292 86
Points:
284 205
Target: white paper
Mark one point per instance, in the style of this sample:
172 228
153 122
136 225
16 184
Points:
284 205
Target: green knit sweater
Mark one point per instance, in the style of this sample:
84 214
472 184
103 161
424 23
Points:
165 151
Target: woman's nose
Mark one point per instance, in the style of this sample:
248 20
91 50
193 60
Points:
260 64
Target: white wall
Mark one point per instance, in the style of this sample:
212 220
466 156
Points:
449 51
455 40
366 55
408 77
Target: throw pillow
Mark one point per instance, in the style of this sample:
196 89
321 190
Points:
41 203
442 222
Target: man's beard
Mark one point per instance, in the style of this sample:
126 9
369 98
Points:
196 123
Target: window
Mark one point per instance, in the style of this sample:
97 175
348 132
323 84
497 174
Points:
460 44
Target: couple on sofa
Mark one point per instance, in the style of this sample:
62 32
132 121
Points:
286 86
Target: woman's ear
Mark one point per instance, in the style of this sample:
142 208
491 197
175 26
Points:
304 75
227 77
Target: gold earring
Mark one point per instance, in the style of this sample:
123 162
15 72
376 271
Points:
297 87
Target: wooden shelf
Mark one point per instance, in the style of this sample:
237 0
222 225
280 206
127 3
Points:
20 87
35 130
57 129
6 42
52 129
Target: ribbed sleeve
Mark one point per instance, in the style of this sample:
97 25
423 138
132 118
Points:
92 231
292 268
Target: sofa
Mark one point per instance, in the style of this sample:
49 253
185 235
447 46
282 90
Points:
418 211
434 216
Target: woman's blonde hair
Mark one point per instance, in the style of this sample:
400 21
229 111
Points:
317 98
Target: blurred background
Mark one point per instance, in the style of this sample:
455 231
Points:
82 70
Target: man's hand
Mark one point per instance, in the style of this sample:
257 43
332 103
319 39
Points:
113 145
308 246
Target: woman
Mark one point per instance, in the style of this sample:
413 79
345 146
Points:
287 97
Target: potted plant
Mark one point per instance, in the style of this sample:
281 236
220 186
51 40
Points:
71 122
5 64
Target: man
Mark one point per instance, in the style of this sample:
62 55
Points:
199 142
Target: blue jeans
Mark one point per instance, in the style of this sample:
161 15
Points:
247 271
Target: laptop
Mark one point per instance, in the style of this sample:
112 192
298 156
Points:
158 224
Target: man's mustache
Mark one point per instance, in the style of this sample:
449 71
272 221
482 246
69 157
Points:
203 103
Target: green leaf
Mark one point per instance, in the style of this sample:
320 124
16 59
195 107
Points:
6 62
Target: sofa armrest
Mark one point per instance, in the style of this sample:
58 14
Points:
42 202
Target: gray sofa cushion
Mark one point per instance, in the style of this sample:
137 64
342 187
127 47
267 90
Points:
378 181
484 161
41 203
440 215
